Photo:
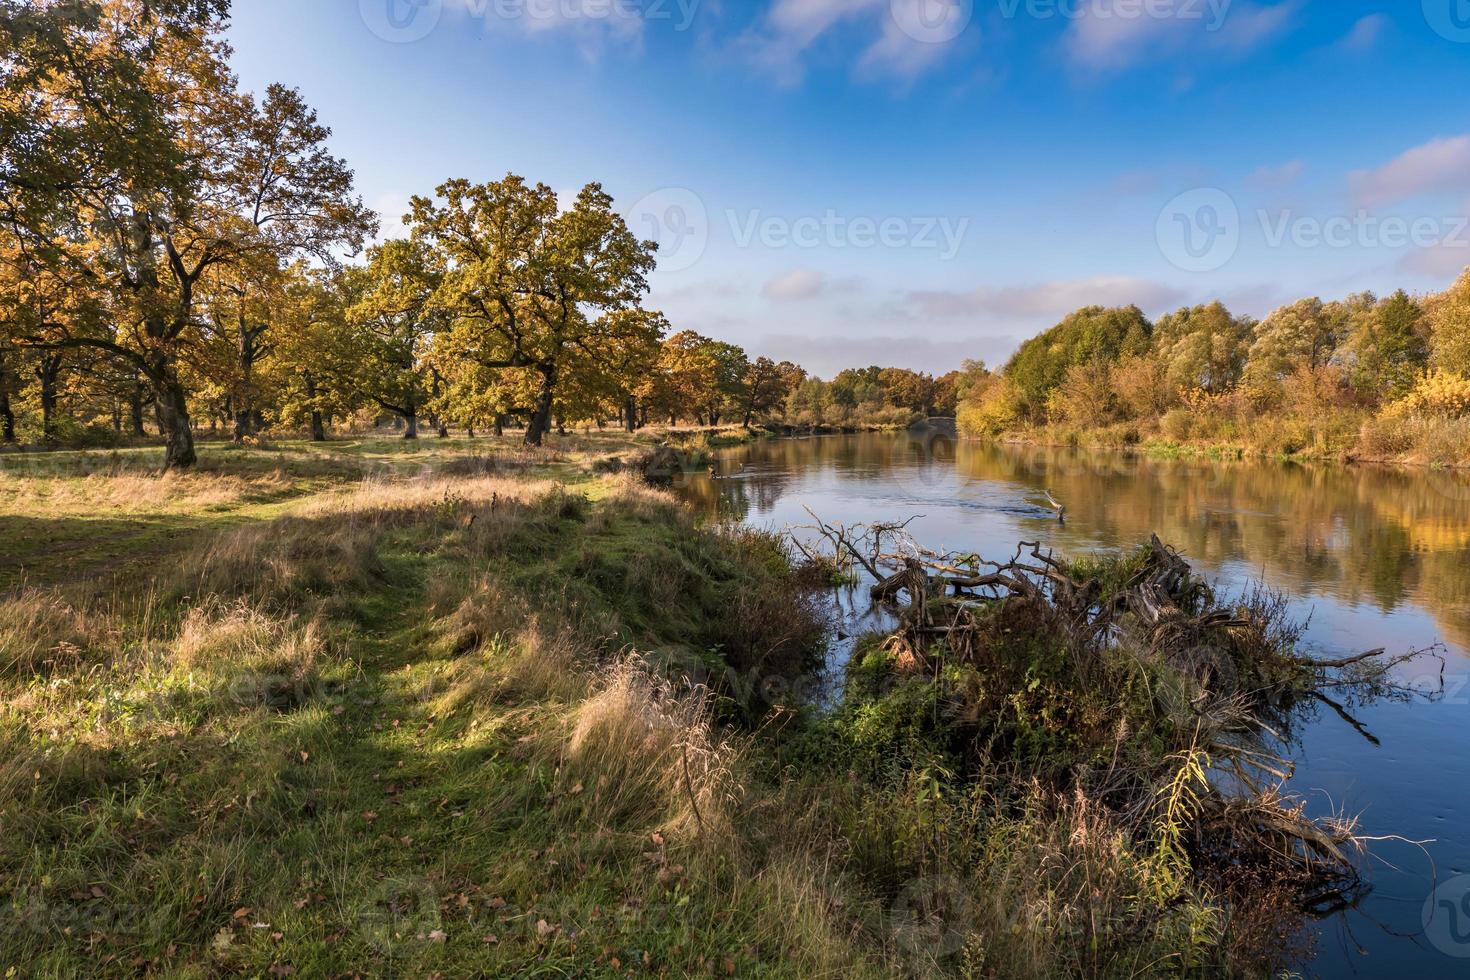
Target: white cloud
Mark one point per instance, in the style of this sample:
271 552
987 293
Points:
1365 34
594 24
800 284
912 35
1048 300
1119 34
1446 261
1439 165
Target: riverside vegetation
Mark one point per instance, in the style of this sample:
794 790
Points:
492 710
1358 379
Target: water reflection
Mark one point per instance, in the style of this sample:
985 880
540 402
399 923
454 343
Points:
1384 537
1375 556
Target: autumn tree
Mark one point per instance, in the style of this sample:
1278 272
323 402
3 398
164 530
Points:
315 351
1203 347
531 287
392 304
136 165
1449 318
1308 333
1092 334
766 387
1388 347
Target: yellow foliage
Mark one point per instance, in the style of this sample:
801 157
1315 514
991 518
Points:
1437 394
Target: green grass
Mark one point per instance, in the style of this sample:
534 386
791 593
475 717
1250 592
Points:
278 719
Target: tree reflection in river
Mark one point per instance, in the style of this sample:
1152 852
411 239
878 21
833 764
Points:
1358 534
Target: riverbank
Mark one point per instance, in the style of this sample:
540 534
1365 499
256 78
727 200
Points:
1447 447
421 708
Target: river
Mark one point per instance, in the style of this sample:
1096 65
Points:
1376 557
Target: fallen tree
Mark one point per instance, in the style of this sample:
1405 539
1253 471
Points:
1128 679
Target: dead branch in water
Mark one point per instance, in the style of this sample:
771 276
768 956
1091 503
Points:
1233 670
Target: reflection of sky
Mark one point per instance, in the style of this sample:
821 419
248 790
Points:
1349 544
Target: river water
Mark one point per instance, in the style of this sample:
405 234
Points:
1376 557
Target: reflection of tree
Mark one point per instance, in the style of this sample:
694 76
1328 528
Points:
1366 535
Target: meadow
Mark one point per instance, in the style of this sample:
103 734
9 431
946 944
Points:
462 708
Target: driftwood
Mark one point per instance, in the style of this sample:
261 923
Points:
1242 656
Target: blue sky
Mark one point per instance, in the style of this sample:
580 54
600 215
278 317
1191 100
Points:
914 182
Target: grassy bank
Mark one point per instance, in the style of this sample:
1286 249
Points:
1412 442
385 710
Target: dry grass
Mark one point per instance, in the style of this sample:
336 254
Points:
643 752
128 493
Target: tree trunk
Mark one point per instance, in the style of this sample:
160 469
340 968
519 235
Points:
7 417
135 408
318 430
48 373
499 426
411 426
242 425
630 414
7 414
541 417
173 421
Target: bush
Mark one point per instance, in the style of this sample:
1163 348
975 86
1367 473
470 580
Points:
1438 394
995 409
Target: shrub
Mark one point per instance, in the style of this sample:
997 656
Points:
996 408
1438 394
1085 396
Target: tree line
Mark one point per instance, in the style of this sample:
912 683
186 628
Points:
1367 375
177 252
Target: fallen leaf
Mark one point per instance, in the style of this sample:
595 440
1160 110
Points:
491 939
438 936
241 913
